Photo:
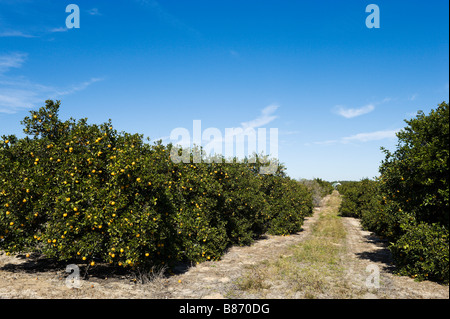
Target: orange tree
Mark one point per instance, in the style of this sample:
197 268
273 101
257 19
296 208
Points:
290 203
409 203
360 199
72 190
414 185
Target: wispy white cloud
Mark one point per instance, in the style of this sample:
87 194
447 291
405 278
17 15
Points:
59 29
214 139
15 34
351 113
328 142
286 133
93 12
361 138
238 134
11 60
355 112
413 97
76 87
264 118
18 92
372 136
11 100
19 96
26 95
38 34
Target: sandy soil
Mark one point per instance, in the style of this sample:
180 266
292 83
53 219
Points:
367 254
36 277
22 277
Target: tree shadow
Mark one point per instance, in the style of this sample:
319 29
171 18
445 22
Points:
38 264
184 266
33 264
382 255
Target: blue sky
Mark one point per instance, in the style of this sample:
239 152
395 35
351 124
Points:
335 89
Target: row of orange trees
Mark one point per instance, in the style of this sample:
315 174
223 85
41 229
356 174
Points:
409 203
72 190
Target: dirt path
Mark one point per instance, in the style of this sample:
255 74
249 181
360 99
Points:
243 272
222 279
24 278
367 254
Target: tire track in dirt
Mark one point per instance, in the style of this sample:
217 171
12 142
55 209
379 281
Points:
211 279
217 279
19 278
366 255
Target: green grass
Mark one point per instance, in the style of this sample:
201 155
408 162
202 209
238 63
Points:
312 268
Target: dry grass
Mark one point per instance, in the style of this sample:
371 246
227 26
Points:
254 279
311 269
155 274
314 269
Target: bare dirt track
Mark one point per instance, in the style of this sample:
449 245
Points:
216 279
243 272
364 250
